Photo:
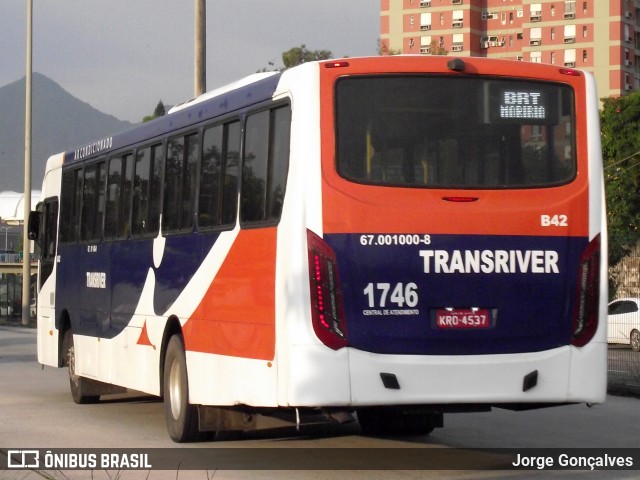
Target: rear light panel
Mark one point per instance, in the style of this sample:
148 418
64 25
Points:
586 310
327 308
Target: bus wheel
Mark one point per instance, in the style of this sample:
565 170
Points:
393 421
79 385
181 417
635 340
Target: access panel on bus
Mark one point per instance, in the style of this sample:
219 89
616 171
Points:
458 213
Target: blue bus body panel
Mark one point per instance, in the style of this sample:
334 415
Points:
103 306
529 312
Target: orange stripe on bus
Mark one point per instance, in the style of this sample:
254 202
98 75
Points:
236 317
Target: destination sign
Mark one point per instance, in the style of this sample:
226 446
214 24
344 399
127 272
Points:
517 104
521 103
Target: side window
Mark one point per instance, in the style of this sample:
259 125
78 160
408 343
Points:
281 133
231 175
254 168
189 180
114 187
265 165
93 202
172 183
629 307
71 197
621 307
124 223
119 187
219 176
89 193
140 208
49 228
48 237
155 197
146 191
180 182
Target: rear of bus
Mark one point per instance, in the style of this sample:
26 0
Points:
462 257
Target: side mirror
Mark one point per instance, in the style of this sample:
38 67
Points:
33 226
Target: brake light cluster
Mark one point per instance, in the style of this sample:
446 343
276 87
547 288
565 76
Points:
585 312
327 309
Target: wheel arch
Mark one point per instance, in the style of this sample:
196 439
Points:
173 327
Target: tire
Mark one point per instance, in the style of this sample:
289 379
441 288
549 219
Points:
381 421
80 387
634 340
181 417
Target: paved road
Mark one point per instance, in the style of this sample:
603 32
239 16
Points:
36 411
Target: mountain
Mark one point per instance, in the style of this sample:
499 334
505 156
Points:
60 122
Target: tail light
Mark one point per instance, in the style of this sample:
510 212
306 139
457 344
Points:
327 310
586 310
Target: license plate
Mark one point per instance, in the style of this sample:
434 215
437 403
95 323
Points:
463 318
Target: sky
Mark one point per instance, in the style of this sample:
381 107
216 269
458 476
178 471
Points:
123 56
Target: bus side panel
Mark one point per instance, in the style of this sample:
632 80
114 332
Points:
48 336
589 363
145 294
309 374
236 315
230 336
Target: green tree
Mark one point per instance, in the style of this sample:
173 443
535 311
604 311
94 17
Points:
160 111
384 49
620 123
299 55
437 49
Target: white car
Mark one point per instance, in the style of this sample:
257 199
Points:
624 322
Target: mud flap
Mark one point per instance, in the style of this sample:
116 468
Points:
219 419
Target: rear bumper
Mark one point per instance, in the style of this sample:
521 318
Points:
562 375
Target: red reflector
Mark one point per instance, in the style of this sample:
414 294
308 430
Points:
340 64
460 199
327 309
570 71
585 312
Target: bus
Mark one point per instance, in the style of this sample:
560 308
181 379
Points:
386 238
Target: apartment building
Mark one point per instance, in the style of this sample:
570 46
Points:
600 36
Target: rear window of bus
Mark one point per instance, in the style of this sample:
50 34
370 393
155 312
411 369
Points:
463 132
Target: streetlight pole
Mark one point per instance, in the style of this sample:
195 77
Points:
26 257
200 52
